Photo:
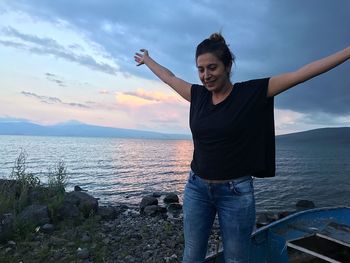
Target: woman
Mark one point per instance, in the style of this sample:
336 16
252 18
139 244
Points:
233 133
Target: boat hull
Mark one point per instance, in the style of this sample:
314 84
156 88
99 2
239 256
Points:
274 243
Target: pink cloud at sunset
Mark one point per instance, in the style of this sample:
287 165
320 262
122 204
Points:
141 97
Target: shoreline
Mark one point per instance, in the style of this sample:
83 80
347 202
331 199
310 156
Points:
88 232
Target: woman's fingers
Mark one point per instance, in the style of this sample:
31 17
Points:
138 54
144 50
139 58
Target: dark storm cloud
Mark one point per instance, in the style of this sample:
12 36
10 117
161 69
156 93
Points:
300 32
268 38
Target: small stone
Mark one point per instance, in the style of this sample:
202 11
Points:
156 194
130 259
172 258
106 241
47 228
77 188
174 207
70 244
148 201
11 243
171 198
83 253
57 241
147 254
153 210
86 237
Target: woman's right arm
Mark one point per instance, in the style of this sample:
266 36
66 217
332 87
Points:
182 87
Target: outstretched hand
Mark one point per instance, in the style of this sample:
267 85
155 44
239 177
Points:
140 58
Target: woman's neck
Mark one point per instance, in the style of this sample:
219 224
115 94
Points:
222 94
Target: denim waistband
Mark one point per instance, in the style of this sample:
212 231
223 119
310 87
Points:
235 180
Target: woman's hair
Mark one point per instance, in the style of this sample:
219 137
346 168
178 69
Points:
216 45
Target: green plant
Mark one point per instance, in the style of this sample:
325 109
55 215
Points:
20 174
58 178
54 204
17 191
22 229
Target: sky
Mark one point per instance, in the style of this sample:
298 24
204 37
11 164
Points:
63 61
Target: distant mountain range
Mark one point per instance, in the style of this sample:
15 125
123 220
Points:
77 129
339 135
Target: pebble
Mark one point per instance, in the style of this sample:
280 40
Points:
131 237
47 228
83 253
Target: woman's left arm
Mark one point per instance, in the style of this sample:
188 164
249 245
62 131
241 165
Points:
280 83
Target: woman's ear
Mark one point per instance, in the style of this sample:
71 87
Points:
228 69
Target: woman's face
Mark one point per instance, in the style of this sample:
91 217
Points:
212 72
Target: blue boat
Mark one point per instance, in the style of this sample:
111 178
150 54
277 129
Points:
315 235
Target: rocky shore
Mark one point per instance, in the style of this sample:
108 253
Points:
87 232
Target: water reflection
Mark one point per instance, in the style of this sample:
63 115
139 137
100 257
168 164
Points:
124 170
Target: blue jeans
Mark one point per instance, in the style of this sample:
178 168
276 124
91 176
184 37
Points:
235 204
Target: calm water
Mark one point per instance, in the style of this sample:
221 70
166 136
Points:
124 170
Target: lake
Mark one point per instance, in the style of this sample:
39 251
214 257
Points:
125 170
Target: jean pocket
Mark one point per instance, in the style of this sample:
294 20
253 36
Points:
243 187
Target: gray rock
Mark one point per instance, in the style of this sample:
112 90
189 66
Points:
68 210
153 210
130 258
47 228
171 198
86 203
120 208
148 201
174 207
86 237
77 188
107 212
56 241
11 243
172 258
6 226
157 194
35 214
83 253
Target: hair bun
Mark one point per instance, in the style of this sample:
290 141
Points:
217 37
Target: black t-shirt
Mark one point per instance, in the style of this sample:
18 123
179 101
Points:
235 137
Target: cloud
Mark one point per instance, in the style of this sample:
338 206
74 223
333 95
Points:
53 100
287 121
141 97
265 44
103 91
54 78
152 95
267 38
47 46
